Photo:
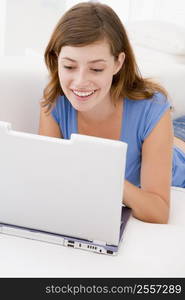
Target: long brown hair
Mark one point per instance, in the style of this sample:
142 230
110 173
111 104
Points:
86 23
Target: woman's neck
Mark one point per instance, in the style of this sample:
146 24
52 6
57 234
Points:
100 113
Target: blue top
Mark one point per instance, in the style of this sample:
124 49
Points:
138 119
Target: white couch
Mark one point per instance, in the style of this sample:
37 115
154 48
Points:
159 47
22 80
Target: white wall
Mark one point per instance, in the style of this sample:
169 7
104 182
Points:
115 4
28 24
131 10
2 25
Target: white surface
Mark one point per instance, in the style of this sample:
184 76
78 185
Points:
158 58
177 210
159 48
158 35
39 18
41 178
22 80
171 76
148 250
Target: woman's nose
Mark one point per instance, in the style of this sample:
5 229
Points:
82 79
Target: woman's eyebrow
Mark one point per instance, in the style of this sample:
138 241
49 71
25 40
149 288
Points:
92 61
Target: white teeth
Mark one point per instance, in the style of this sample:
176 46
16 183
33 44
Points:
83 94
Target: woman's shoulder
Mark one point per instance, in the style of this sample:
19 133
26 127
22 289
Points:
145 113
151 105
157 97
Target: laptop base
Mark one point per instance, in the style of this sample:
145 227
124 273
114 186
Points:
96 247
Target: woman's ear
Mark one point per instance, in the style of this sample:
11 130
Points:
119 62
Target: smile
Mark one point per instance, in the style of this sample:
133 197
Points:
83 94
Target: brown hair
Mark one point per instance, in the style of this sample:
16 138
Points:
86 23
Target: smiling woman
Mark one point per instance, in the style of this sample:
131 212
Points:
96 89
86 78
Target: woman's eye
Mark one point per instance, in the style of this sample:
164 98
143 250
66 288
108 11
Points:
68 67
71 68
98 70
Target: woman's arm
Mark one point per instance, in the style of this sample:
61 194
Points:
146 206
151 202
48 126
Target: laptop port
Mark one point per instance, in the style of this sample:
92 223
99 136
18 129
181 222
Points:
109 252
69 241
69 245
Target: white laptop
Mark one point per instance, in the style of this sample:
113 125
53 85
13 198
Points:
67 192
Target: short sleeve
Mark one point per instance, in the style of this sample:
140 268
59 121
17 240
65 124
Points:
154 110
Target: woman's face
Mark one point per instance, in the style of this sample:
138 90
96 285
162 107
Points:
86 74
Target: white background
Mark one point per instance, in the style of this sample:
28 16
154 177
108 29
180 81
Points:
26 26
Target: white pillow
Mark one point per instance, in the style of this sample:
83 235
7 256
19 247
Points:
171 76
158 35
151 55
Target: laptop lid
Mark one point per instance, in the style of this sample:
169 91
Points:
70 187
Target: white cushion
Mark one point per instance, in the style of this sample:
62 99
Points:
22 80
149 54
177 206
172 77
158 35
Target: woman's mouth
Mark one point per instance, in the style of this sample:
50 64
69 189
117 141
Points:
83 95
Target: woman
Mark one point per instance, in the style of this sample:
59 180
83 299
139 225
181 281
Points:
96 89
